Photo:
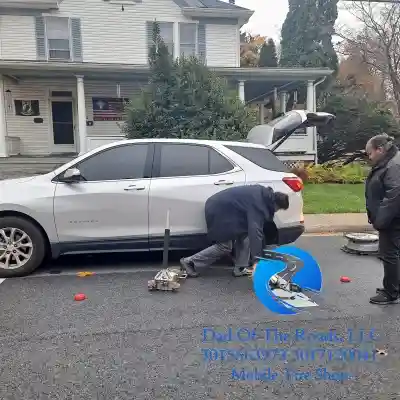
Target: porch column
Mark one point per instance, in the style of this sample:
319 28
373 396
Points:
274 103
312 131
262 114
241 91
283 101
3 124
81 114
176 49
310 96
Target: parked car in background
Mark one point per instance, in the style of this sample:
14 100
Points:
116 197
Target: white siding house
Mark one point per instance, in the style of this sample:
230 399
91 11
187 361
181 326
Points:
66 65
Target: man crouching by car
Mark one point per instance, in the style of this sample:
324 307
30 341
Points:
382 192
235 219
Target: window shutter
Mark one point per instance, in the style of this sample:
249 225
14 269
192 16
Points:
149 34
201 38
40 32
76 37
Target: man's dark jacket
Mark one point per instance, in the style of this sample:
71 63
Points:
240 211
382 192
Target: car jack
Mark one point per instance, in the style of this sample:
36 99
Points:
167 280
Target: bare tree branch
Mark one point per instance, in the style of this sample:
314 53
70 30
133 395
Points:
377 41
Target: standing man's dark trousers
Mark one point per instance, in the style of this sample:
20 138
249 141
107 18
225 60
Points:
389 253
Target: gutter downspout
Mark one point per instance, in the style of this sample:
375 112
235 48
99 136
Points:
315 110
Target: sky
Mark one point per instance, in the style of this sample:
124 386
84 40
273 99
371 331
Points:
269 16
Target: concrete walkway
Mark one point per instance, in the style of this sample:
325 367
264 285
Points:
327 223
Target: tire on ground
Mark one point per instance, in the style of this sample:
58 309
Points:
38 241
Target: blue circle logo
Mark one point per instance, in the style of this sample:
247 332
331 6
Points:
308 277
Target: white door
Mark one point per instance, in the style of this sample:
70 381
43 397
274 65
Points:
63 126
185 176
108 207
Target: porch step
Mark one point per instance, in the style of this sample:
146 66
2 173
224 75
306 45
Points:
50 160
20 166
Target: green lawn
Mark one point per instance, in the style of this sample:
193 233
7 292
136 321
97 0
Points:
329 198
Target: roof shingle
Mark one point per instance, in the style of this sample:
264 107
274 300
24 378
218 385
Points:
213 4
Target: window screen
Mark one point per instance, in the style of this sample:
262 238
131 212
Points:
58 38
188 39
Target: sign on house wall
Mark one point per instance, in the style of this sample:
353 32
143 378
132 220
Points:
108 108
27 108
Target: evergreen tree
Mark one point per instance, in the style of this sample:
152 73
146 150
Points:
268 57
155 108
184 99
307 34
307 38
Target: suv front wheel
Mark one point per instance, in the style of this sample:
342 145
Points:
22 247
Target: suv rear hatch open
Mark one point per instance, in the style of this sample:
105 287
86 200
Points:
276 132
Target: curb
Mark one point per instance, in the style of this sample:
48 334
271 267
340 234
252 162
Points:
339 229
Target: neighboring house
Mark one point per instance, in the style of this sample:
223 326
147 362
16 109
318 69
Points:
66 66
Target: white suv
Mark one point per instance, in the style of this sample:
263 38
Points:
116 197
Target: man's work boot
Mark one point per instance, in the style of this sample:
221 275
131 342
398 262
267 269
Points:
243 271
383 298
189 268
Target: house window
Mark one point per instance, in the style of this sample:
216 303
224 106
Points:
58 38
167 34
188 39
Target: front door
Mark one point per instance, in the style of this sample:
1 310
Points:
107 209
63 126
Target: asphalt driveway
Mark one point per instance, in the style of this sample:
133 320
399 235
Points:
124 342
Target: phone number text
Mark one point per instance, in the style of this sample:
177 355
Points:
296 354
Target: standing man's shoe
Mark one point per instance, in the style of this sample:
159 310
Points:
383 298
189 268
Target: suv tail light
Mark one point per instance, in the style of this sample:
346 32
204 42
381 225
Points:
295 183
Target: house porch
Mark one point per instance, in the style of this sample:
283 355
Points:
59 108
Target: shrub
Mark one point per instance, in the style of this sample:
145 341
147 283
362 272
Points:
351 173
301 172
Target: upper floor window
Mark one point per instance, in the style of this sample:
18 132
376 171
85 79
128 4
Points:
188 39
58 38
166 33
191 38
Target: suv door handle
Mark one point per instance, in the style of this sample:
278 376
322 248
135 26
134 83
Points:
223 183
134 187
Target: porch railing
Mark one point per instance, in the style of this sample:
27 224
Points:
13 145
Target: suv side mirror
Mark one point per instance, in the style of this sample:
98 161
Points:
71 175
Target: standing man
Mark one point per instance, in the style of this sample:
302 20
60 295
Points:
382 192
235 219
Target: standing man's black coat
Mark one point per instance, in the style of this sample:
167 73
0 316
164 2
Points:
240 211
382 192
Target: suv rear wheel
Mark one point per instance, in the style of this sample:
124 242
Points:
22 247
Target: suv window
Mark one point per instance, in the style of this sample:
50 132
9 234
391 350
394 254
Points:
218 163
117 163
264 158
191 160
